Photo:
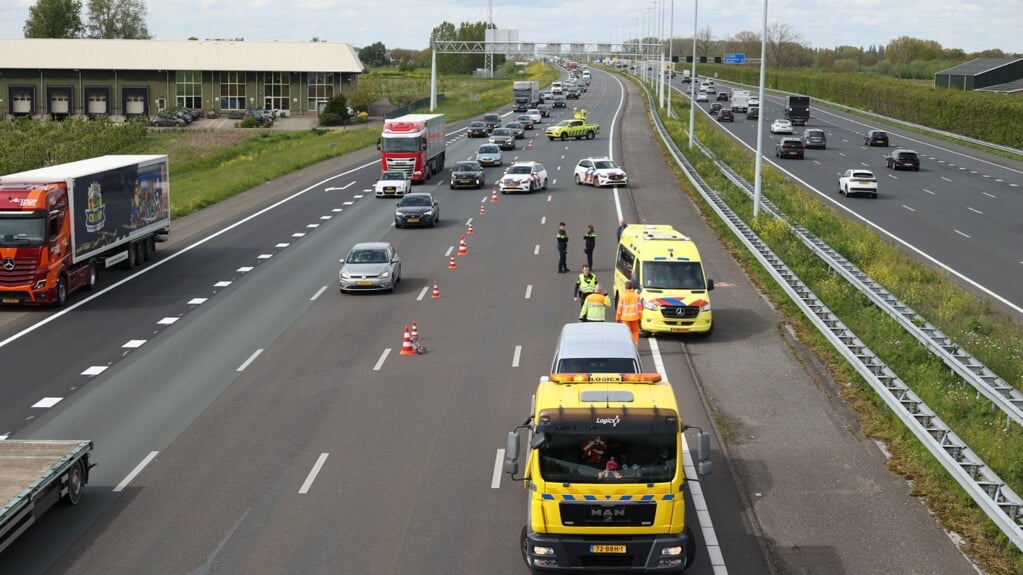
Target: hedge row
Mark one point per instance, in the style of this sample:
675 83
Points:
987 116
26 143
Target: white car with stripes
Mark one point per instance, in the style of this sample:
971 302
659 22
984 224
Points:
523 177
600 172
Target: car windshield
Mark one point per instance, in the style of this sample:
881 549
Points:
466 167
488 150
494 119
520 170
605 165
673 275
583 458
501 132
367 257
414 200
392 176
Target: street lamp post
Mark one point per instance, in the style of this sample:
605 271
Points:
692 80
757 180
671 56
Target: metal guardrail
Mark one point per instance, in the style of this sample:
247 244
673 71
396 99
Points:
993 495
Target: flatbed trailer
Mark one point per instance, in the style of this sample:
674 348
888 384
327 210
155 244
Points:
35 475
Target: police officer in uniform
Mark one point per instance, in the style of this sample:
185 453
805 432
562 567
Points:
562 238
590 242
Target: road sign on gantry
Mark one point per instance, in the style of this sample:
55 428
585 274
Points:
734 59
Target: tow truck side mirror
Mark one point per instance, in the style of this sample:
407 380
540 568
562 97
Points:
703 453
378 144
511 454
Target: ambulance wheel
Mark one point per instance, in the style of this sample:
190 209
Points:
523 544
690 547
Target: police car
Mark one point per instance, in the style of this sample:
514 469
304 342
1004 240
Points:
600 172
523 177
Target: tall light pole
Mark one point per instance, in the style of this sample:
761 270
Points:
671 56
660 48
757 180
692 80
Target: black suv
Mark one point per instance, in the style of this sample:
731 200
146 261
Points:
876 138
726 115
753 113
902 158
478 130
492 121
789 148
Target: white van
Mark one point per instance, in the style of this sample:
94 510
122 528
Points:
557 87
596 347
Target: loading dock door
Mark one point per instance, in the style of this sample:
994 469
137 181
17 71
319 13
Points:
59 103
135 105
22 103
97 105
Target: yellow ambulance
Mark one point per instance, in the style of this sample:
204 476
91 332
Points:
666 267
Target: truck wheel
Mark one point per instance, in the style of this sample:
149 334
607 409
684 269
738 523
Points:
690 547
90 284
149 245
523 545
590 135
75 481
132 262
61 296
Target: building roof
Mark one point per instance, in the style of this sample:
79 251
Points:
977 66
220 55
1006 88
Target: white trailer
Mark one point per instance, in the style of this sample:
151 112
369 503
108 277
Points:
740 100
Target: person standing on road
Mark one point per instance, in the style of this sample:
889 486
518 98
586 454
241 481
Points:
584 286
595 306
562 238
630 309
621 228
590 242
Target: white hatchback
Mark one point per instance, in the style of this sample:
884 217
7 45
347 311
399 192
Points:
535 115
781 127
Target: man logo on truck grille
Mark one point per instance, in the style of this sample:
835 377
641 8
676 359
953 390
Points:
8 264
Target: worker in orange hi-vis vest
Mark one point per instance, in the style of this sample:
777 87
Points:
630 309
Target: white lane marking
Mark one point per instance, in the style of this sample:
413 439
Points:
134 343
495 479
222 284
946 179
549 198
961 233
990 195
516 356
313 473
383 357
282 245
318 293
168 320
4 437
536 250
348 203
710 537
134 472
264 256
357 196
249 361
543 220
976 211
94 370
422 293
529 291
468 221
908 208
929 192
245 269
312 226
450 249
298 235
47 402
337 210
197 301
325 217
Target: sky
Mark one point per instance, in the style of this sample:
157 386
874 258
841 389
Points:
971 25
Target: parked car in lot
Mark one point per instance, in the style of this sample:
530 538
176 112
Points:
477 130
523 177
781 127
815 138
789 148
166 122
392 183
901 158
503 138
467 174
370 266
875 138
489 155
858 182
726 115
417 209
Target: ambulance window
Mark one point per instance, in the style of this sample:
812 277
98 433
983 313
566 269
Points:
626 261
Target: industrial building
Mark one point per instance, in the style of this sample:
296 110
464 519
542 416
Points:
126 78
988 74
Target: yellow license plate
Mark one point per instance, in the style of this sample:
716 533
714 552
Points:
11 300
607 549
413 220
679 330
364 283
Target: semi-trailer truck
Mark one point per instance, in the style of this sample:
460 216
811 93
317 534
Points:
60 225
414 144
35 475
525 94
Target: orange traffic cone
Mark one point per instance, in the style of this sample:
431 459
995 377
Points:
406 344
529 146
414 334
483 209
436 292
451 264
463 249
493 195
469 231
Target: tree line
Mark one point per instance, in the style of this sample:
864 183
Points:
119 19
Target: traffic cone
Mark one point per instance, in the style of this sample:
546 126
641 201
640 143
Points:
493 195
436 292
463 250
529 146
406 344
451 264
414 334
483 209
469 231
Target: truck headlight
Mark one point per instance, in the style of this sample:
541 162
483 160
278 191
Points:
541 550
673 551
41 284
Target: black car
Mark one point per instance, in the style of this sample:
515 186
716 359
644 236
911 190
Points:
492 121
722 96
903 159
166 122
559 101
503 138
418 209
753 113
815 138
477 130
572 94
876 138
467 174
715 108
545 110
726 115
789 148
525 121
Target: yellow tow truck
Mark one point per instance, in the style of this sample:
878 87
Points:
604 476
573 128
